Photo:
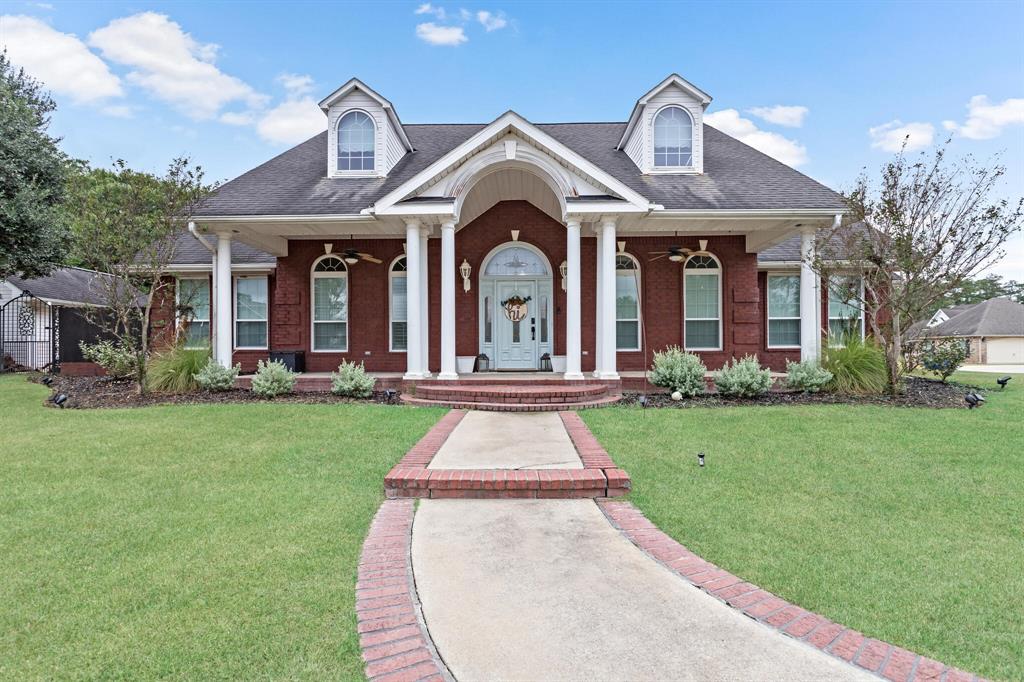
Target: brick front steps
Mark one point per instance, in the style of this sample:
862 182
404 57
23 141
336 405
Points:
392 634
517 397
881 658
599 476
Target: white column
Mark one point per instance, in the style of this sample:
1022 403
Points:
448 370
424 304
607 294
599 313
572 295
414 344
223 310
810 300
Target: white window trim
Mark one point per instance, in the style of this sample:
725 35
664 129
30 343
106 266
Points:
828 311
692 168
720 273
234 313
391 304
639 310
362 173
313 277
768 311
177 311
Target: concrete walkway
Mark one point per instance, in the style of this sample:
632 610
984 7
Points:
994 369
549 590
508 440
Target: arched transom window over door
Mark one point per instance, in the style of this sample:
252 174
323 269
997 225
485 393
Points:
516 261
330 304
702 294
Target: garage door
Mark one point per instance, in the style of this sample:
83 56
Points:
1006 351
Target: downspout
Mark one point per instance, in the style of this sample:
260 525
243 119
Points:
213 281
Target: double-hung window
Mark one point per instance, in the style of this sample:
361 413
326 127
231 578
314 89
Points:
783 311
399 306
330 304
702 293
251 307
627 303
194 311
673 138
845 314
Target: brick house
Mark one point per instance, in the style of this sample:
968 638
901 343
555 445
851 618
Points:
417 248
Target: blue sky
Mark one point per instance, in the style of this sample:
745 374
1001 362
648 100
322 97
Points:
828 87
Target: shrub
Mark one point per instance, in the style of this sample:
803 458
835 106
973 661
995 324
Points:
352 380
678 370
857 367
118 361
807 376
174 370
214 377
272 379
943 357
743 378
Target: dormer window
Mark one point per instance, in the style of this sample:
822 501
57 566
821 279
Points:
356 141
673 138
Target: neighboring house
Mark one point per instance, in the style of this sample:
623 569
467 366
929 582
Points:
42 319
589 244
993 330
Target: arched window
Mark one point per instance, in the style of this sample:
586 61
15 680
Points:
399 305
702 294
673 138
330 304
356 142
627 302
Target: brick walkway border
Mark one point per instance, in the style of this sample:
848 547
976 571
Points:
392 634
881 658
599 476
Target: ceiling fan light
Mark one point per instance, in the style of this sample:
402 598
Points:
676 257
351 260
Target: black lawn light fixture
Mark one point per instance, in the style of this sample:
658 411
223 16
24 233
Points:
60 399
47 380
974 400
642 400
1002 381
700 458
389 395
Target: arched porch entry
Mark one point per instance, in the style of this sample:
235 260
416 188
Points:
516 306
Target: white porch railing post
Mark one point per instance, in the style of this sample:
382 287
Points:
414 344
448 369
599 314
810 299
573 350
607 293
424 304
223 310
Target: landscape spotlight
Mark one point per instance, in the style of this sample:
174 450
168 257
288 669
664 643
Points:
1002 381
47 380
700 458
389 395
643 401
60 399
973 400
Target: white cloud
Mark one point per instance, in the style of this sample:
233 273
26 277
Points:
789 116
440 35
119 110
237 118
730 122
985 120
491 22
465 14
295 84
60 60
292 121
889 137
172 65
427 8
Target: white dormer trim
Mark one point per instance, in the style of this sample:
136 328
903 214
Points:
354 83
674 79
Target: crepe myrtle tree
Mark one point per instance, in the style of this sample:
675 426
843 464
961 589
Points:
928 226
124 222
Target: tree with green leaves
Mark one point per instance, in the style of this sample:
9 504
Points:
925 229
124 223
33 228
982 289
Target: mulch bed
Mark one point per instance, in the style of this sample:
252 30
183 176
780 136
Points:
917 393
99 392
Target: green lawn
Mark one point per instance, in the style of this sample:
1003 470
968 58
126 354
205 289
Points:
216 541
906 524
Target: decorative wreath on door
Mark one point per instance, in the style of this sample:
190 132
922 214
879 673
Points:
515 307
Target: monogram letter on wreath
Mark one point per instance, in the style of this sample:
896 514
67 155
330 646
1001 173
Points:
515 307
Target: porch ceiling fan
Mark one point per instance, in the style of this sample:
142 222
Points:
677 254
351 256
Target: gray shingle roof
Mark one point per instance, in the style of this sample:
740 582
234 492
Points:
994 317
736 176
74 285
188 250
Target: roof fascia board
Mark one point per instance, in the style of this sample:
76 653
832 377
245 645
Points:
190 268
211 221
752 213
389 109
675 78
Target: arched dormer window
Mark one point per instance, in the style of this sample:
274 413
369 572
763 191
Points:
627 302
702 294
398 310
356 142
673 138
329 284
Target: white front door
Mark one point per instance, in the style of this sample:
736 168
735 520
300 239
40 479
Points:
516 346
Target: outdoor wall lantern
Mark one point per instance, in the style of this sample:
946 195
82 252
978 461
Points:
465 270
563 269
